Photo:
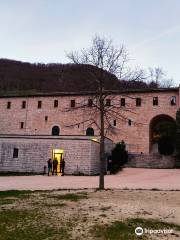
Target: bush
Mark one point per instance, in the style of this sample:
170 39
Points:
118 158
166 145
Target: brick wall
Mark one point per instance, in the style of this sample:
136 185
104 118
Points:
136 135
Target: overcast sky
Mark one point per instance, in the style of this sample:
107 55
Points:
43 30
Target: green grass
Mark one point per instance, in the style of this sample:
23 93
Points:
28 225
15 194
125 230
6 201
70 196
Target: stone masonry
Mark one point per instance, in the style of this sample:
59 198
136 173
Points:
80 153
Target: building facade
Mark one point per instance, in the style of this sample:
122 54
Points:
132 116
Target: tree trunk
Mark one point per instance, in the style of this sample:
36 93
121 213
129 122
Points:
101 175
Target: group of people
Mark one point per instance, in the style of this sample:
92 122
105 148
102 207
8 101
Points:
52 166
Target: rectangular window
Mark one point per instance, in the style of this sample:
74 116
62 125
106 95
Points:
155 101
22 125
39 104
129 122
108 102
8 105
90 102
114 122
46 118
173 100
55 103
123 103
73 103
138 102
15 152
23 104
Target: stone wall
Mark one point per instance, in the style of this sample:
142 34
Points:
150 161
80 154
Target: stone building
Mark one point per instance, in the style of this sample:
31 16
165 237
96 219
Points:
34 126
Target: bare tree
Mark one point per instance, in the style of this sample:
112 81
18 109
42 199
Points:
107 58
158 76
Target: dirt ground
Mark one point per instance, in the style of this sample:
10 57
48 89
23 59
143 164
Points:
104 207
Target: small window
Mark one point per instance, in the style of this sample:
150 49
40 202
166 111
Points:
123 102
108 102
114 122
90 102
23 104
22 125
55 131
129 122
15 152
39 104
138 102
155 101
55 103
90 132
73 103
8 105
173 100
46 118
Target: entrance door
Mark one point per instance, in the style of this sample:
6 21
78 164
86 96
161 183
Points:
58 154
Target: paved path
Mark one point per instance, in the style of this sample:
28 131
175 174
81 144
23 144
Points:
132 178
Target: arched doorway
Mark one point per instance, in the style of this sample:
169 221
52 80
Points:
55 131
162 131
90 132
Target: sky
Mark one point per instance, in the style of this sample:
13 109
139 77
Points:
45 30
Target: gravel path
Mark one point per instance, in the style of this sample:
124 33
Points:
131 178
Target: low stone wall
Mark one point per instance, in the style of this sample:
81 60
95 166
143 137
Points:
81 154
150 161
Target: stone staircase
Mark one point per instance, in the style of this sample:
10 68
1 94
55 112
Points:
150 161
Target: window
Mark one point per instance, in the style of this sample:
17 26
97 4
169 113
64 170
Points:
123 102
114 122
108 102
23 104
15 152
22 125
155 101
90 102
39 104
8 105
55 131
55 103
90 132
138 102
173 100
73 103
46 118
129 122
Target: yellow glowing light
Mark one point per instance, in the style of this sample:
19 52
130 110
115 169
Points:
95 139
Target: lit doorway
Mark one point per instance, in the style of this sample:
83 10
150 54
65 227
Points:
58 154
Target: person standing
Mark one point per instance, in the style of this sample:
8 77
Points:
55 163
49 166
62 166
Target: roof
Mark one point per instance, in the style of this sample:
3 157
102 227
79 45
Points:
52 94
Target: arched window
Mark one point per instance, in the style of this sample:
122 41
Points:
90 132
55 131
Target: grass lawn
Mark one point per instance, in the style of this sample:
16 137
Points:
56 215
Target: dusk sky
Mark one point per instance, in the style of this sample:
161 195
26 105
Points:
43 30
